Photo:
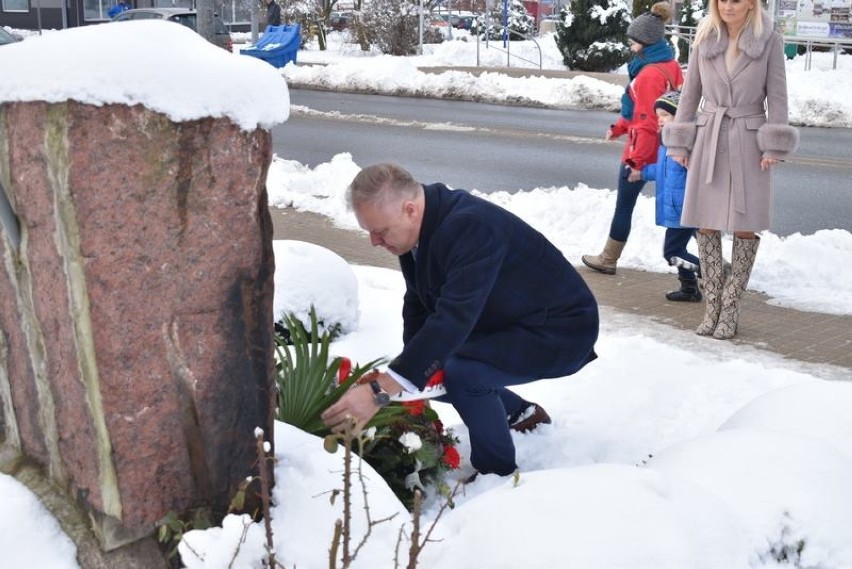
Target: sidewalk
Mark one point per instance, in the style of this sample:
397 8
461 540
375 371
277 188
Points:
804 336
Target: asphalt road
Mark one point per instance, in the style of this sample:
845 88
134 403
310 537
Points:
507 148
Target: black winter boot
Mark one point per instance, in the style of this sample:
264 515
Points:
688 291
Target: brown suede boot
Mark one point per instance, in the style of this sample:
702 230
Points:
605 262
742 260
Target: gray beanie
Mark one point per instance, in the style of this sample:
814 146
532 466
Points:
650 27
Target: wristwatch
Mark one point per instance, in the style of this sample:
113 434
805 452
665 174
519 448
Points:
380 396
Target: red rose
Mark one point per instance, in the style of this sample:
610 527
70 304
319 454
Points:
437 377
414 407
344 370
451 457
439 426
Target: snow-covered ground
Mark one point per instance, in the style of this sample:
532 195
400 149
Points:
810 272
669 451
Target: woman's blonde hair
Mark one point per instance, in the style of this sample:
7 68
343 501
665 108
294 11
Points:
712 22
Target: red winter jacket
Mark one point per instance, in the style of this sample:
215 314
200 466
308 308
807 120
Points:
642 140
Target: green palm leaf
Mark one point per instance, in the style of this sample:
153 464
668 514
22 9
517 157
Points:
308 383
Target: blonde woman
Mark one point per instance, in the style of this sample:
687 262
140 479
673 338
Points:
730 130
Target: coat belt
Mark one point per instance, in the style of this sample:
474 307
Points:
735 147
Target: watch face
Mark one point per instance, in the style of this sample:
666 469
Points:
382 399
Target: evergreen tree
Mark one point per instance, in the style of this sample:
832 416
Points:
642 6
520 23
690 14
592 34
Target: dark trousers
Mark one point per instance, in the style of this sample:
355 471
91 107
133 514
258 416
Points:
478 392
674 245
625 202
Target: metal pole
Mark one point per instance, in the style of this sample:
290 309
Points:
420 48
477 46
254 22
450 19
505 23
38 15
509 52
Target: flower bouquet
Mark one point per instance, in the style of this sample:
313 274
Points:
405 442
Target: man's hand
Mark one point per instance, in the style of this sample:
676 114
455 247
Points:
682 160
359 403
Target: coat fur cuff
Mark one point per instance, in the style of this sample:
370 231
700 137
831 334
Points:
679 135
777 138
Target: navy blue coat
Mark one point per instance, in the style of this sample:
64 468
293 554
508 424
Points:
486 286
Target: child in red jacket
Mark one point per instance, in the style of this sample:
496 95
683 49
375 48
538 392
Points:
652 72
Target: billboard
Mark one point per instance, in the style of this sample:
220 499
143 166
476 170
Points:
814 18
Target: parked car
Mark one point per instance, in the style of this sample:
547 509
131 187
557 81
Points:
462 22
6 37
182 16
439 20
339 22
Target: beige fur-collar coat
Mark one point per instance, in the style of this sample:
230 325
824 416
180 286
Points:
726 122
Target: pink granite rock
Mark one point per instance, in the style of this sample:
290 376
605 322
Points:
136 311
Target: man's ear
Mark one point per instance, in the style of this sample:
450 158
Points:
410 209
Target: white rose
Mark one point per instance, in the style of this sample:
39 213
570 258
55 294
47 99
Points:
411 442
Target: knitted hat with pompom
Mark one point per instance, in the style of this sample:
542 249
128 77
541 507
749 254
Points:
650 27
668 102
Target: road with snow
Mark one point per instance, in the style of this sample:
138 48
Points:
495 147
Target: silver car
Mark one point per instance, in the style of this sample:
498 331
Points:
6 37
183 16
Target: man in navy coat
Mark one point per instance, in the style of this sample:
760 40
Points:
488 299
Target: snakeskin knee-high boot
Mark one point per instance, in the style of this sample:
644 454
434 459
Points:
710 256
744 252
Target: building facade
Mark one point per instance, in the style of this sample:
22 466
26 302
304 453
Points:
61 14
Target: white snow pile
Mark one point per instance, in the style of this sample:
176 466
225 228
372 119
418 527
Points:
166 67
306 276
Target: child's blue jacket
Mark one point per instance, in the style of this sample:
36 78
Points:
670 180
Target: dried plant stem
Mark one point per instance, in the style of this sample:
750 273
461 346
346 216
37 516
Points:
348 437
417 544
198 555
415 547
335 545
399 535
370 522
243 535
446 504
265 501
343 528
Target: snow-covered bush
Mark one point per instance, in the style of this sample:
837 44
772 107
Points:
394 26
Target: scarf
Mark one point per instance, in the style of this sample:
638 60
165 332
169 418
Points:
654 53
